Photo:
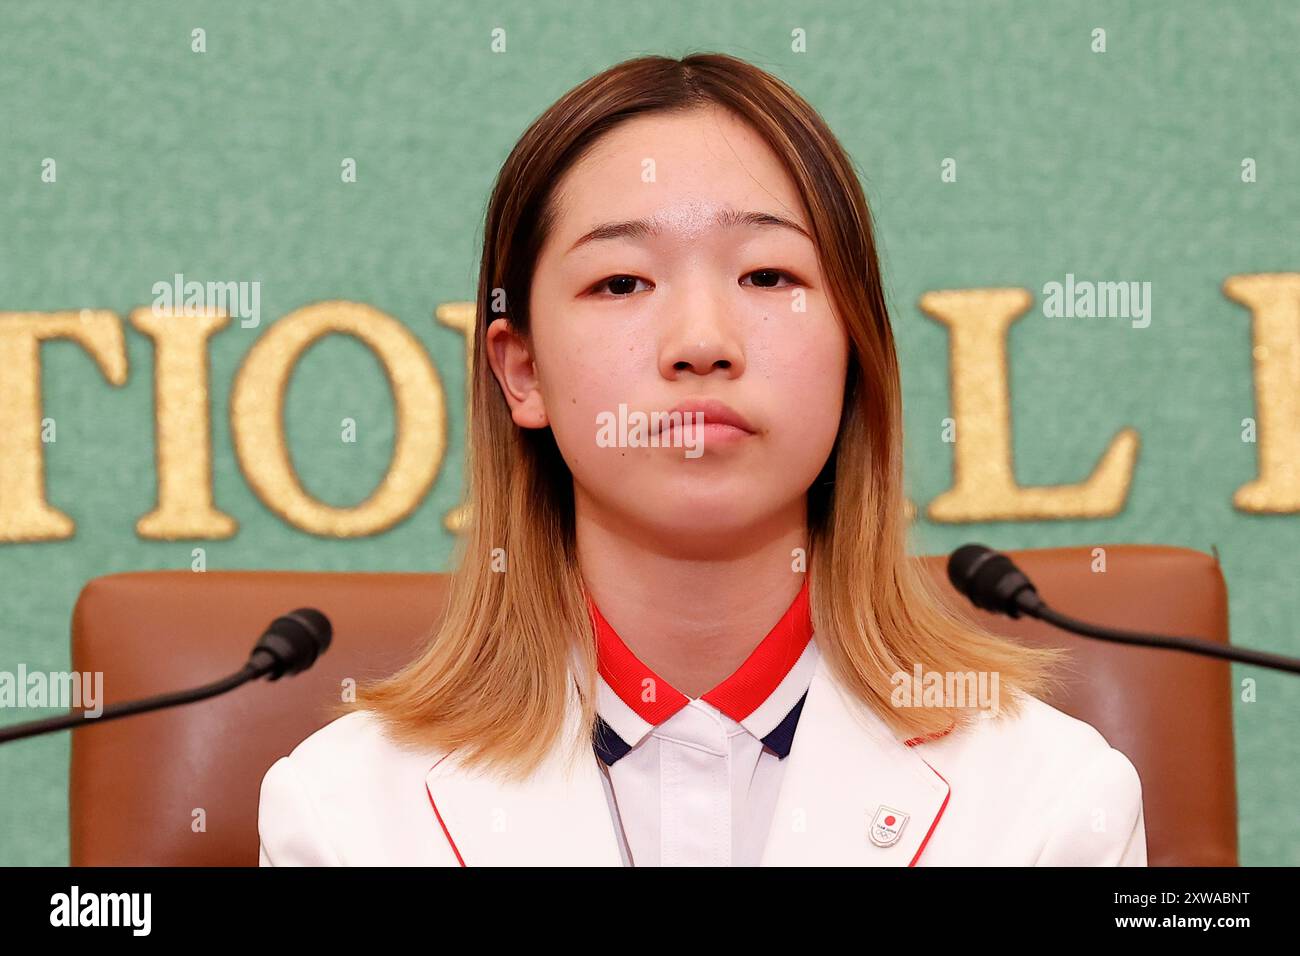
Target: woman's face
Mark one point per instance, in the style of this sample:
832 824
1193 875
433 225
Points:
677 308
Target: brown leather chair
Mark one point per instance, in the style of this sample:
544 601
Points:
137 784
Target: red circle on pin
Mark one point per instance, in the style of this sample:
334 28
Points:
889 821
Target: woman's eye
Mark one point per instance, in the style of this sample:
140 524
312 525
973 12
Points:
768 278
622 286
618 286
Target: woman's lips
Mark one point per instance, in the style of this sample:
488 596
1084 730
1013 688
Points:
715 414
710 433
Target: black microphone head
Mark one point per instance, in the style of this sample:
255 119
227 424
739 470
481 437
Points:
963 561
294 641
991 580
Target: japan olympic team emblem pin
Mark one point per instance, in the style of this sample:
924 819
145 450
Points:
887 826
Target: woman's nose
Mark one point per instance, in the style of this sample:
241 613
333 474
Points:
702 336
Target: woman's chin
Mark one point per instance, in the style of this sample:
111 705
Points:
701 515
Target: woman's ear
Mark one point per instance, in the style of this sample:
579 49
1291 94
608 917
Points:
516 371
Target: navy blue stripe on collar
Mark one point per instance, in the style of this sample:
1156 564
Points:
781 739
610 747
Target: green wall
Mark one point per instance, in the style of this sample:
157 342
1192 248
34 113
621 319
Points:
1123 165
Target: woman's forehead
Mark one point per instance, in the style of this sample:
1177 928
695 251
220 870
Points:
687 220
671 174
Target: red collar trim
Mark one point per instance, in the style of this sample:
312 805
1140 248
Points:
738 696
928 737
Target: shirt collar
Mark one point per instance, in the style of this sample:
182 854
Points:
765 694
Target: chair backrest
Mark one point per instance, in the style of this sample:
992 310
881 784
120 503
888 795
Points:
180 787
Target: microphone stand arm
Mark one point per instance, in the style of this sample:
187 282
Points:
249 671
1031 604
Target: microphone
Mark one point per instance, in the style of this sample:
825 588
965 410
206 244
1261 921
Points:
991 581
290 645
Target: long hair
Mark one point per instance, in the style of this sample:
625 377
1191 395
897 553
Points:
494 679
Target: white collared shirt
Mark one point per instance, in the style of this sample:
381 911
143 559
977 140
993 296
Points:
699 789
694 781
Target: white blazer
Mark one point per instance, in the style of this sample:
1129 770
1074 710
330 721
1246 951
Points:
1040 789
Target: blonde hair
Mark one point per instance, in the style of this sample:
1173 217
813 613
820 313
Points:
494 679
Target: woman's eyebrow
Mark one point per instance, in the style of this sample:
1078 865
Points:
646 228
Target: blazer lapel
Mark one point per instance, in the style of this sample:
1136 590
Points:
846 775
558 816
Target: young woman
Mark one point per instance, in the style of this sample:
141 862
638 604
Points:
678 641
